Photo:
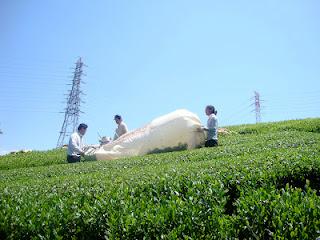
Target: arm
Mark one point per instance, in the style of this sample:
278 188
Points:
115 136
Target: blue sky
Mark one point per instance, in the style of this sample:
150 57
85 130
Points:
148 58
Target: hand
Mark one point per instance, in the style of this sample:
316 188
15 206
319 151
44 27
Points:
204 128
198 129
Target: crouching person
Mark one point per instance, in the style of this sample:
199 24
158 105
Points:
76 147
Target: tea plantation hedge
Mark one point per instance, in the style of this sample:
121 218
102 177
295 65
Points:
262 182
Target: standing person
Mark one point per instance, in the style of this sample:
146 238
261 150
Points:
75 147
122 127
212 126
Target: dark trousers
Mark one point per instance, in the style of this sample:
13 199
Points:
211 143
73 159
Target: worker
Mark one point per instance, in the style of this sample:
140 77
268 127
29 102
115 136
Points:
212 126
75 147
121 129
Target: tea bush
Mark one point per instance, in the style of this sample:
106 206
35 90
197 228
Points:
261 183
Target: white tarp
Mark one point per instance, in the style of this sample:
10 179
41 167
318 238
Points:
178 130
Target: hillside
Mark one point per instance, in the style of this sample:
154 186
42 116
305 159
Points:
262 182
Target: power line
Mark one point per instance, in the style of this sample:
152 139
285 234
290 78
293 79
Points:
294 93
37 61
72 112
297 98
240 108
243 112
33 65
296 109
30 75
28 111
257 106
295 105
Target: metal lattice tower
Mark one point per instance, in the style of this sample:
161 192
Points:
257 106
72 111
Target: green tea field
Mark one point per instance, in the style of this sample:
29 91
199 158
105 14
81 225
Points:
261 182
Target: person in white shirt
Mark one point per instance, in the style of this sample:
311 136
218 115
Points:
75 147
212 126
121 129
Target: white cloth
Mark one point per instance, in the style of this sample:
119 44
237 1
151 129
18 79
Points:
212 126
75 147
175 131
120 130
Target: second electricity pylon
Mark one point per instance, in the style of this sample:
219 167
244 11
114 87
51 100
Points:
72 112
257 106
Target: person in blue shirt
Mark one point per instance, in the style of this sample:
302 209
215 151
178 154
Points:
212 126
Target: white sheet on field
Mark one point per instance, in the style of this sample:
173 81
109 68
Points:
178 130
